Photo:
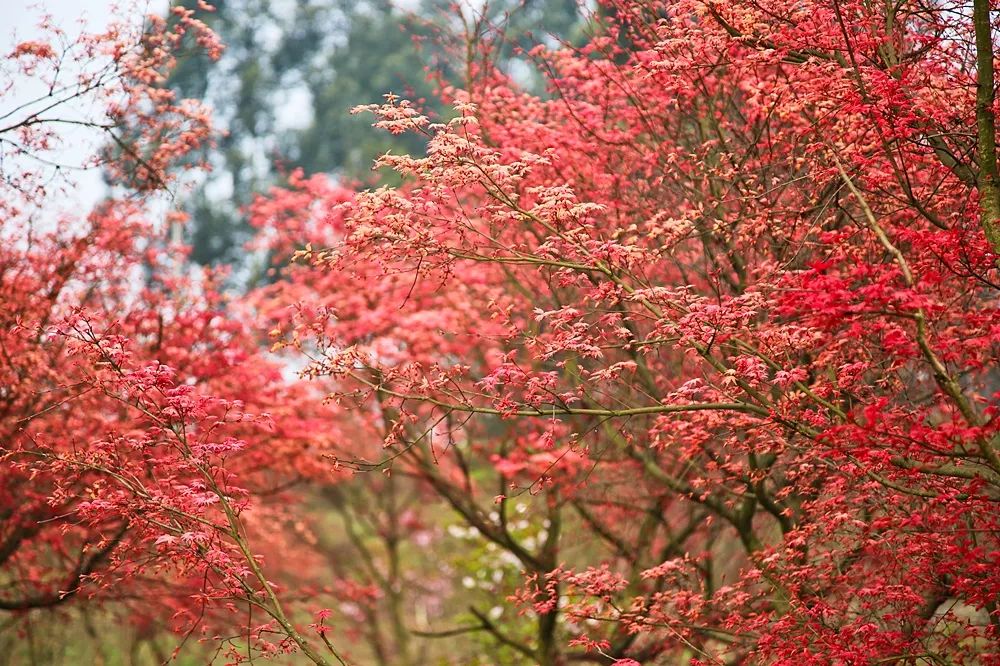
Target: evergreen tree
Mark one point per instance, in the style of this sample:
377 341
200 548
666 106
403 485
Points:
292 71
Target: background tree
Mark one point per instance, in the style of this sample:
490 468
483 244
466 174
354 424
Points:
291 73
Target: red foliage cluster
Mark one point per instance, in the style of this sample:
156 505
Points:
724 301
147 441
728 292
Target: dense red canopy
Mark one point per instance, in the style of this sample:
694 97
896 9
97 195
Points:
720 308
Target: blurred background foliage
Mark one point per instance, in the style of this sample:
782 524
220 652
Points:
292 71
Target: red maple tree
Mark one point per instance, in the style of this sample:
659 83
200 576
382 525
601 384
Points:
725 300
129 389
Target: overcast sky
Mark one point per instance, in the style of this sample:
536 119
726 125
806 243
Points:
19 24
22 16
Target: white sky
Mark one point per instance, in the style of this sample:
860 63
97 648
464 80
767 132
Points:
26 13
19 23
